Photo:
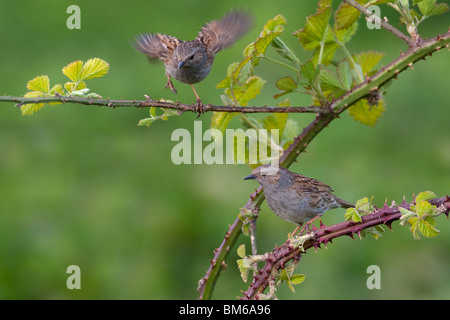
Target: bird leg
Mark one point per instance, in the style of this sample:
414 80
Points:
169 84
305 226
198 104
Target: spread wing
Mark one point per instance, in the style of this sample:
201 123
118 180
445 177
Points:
156 46
220 34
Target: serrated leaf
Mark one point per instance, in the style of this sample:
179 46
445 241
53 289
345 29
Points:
94 68
57 88
425 228
425 196
423 208
316 30
362 202
368 60
361 111
413 222
40 84
352 214
30 108
344 35
297 278
346 15
73 70
431 8
272 29
237 74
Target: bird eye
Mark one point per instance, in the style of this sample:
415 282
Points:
191 57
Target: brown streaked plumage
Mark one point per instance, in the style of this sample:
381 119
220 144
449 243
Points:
294 197
190 61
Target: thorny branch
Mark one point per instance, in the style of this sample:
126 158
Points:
291 250
406 60
161 104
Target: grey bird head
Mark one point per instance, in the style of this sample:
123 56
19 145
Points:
268 174
189 54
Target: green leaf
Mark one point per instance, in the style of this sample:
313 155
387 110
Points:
291 130
241 251
376 231
286 83
328 51
423 208
237 74
297 278
272 29
431 8
40 84
146 122
252 88
345 15
153 116
364 205
30 108
425 228
284 51
243 269
220 120
309 73
73 70
344 74
316 30
344 35
329 81
425 196
94 68
57 88
352 214
368 60
361 111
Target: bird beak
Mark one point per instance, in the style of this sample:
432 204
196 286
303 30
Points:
180 64
249 177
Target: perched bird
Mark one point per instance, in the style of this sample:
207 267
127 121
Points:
294 197
190 61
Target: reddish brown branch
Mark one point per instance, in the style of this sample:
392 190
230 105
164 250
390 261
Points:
278 258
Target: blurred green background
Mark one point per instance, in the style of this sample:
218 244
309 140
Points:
84 185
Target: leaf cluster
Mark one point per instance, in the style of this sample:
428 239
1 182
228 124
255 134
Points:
421 216
77 72
322 76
